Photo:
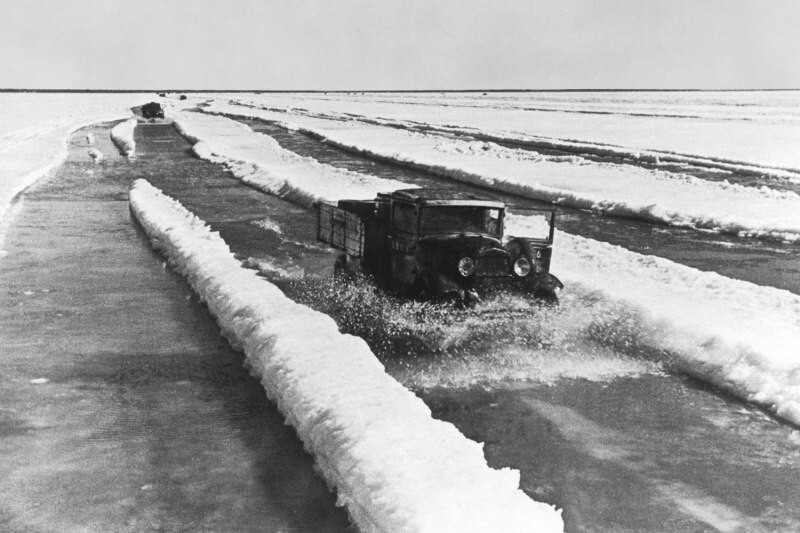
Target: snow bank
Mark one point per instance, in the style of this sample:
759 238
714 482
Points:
394 467
739 336
621 190
34 128
259 161
122 135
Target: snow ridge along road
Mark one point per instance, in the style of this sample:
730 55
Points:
122 135
394 467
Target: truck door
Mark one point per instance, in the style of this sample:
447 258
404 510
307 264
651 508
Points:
405 222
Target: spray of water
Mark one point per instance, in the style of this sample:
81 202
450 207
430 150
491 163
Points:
508 338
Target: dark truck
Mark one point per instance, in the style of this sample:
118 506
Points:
152 110
437 243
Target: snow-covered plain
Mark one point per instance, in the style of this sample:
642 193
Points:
748 129
620 190
735 334
34 128
393 465
729 105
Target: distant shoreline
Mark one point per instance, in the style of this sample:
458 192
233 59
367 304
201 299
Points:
364 91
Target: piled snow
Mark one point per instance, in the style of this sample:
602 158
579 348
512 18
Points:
259 161
737 335
394 467
715 127
34 128
122 135
621 190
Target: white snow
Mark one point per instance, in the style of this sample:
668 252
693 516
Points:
742 337
621 190
34 128
735 334
752 129
261 162
393 465
122 135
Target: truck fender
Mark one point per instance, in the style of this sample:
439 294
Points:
545 287
547 281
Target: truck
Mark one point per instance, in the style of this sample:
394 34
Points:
152 110
438 243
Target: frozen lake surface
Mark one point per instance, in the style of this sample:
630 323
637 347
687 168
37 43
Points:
592 396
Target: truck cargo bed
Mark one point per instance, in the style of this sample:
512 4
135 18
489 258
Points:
343 230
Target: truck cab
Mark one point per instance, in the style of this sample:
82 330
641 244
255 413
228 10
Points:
439 243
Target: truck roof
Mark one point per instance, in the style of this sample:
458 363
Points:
442 197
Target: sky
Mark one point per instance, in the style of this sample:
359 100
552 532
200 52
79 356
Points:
399 44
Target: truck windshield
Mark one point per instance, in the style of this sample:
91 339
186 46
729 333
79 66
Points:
461 219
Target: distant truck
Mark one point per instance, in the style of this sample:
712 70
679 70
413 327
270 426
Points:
152 110
438 244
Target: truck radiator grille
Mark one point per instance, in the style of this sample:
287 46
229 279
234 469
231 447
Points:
491 266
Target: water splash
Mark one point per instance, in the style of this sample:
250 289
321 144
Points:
267 224
505 339
275 269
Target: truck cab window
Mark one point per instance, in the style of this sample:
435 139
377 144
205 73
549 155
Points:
459 219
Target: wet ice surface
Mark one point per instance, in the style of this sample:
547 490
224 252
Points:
651 453
597 425
122 407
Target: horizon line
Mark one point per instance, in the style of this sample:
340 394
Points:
350 91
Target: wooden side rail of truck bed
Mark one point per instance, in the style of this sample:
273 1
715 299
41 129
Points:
342 229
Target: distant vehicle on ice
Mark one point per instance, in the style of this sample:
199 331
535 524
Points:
152 110
437 243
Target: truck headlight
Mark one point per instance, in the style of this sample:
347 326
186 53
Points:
522 267
466 266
